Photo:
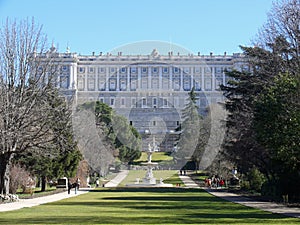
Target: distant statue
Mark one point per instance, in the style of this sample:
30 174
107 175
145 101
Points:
68 49
149 156
149 147
154 53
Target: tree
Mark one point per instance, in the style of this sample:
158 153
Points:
212 133
277 126
42 167
128 140
19 177
103 135
65 155
26 84
283 21
240 145
204 133
190 131
248 89
94 136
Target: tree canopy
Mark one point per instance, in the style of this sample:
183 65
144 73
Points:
112 137
189 131
27 87
263 102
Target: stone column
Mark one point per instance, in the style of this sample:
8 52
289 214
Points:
160 87
128 78
171 78
71 76
149 77
86 79
74 84
202 79
192 77
139 80
118 80
107 78
181 78
97 81
213 79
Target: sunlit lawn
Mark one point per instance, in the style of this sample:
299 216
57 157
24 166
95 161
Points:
169 176
156 157
143 206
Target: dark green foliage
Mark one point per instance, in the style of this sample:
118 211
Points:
277 126
122 137
263 103
190 143
62 156
240 144
255 179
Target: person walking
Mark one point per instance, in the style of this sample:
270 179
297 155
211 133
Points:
77 183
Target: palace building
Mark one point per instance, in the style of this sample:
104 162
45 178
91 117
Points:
149 90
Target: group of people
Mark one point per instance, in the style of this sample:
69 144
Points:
75 185
214 182
183 172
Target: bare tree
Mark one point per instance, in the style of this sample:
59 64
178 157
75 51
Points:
216 135
283 20
26 84
92 141
19 177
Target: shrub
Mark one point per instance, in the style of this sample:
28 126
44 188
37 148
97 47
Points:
245 185
256 179
19 177
253 180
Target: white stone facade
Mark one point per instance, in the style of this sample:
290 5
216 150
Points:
143 75
150 90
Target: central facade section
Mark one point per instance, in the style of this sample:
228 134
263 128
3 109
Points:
149 90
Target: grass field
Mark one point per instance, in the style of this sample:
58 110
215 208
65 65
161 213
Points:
143 206
156 157
169 176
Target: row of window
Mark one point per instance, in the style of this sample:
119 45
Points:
153 69
112 84
154 102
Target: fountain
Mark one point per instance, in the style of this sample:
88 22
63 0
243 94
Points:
149 180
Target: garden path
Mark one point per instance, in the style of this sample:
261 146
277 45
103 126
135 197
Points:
263 205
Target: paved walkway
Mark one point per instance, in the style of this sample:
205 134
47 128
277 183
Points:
22 203
189 183
263 205
118 179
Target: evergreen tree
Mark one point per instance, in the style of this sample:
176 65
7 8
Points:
63 155
277 126
256 98
117 137
128 140
190 130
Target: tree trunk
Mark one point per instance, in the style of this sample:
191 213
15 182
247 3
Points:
43 184
196 166
4 172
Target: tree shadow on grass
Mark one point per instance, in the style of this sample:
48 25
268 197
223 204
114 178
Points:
195 218
150 189
145 206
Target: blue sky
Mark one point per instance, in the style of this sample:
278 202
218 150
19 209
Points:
101 25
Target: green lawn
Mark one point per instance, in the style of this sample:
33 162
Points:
156 157
166 175
143 206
